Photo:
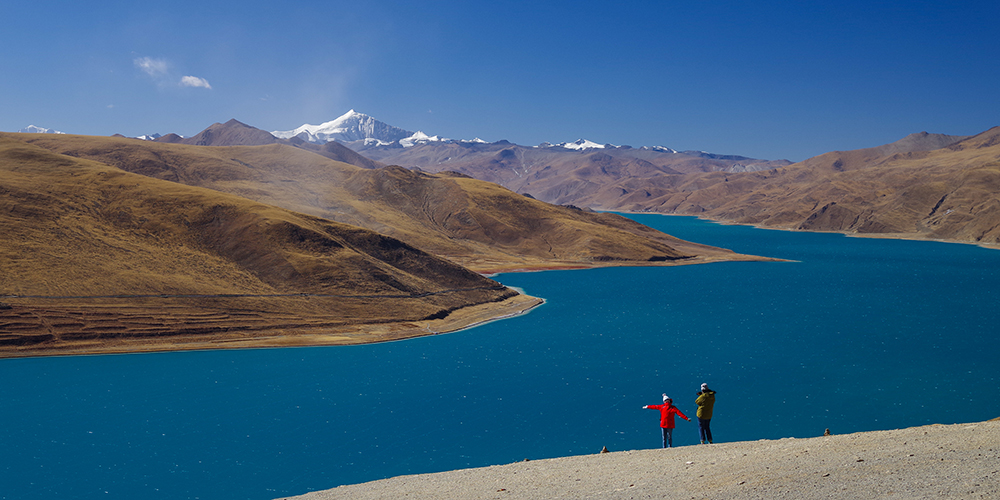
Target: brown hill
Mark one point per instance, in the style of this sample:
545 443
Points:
96 259
170 139
556 174
231 133
924 185
235 133
337 152
952 193
839 161
471 222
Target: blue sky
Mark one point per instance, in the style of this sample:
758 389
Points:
772 80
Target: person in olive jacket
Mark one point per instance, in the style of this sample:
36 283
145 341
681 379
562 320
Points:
667 412
705 402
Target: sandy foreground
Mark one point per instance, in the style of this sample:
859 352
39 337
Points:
934 461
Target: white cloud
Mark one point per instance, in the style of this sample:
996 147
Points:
194 81
160 71
152 67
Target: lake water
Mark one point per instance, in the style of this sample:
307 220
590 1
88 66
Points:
856 335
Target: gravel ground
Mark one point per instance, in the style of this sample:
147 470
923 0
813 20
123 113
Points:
935 461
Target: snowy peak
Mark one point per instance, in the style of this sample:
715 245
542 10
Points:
349 127
419 138
581 144
31 129
361 130
375 142
660 149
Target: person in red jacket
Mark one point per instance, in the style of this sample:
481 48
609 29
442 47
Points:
667 412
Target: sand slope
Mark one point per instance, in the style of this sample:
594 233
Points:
935 461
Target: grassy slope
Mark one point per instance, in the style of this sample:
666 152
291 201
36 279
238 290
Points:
474 223
74 227
167 237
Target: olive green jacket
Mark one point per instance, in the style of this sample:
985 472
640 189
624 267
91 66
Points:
705 404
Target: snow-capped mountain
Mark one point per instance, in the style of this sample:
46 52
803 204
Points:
659 149
350 127
580 144
358 130
419 137
149 137
31 129
354 127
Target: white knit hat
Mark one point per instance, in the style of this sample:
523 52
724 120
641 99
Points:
666 398
704 386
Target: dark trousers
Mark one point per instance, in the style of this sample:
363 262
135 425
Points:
668 437
704 430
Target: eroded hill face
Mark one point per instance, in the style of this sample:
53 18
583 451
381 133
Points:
924 185
555 174
97 258
951 193
471 222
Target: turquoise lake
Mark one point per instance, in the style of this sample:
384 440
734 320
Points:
854 335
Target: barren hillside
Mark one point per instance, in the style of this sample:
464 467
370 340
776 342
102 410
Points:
474 223
556 174
951 193
95 258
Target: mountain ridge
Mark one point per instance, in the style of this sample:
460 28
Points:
472 222
349 127
950 194
690 182
359 130
32 129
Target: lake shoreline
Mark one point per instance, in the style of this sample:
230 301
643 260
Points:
127 323
850 234
301 336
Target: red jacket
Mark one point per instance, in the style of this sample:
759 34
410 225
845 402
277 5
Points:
667 412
